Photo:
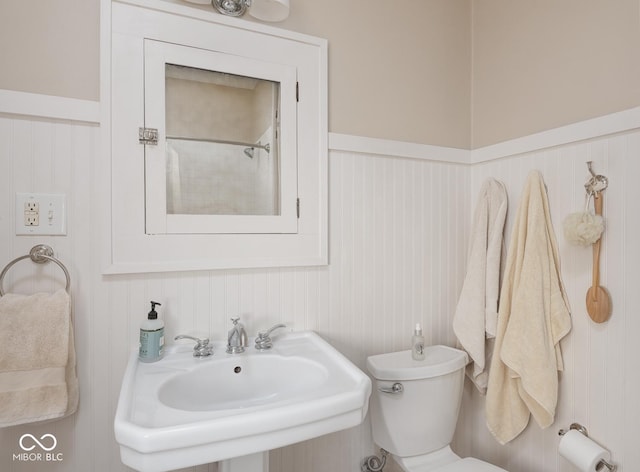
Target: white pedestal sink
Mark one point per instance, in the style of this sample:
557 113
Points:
184 411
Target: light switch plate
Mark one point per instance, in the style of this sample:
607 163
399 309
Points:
41 213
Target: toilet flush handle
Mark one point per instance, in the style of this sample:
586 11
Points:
395 388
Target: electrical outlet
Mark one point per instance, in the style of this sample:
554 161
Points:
31 218
31 213
40 213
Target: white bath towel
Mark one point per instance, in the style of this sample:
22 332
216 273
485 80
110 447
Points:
533 317
475 319
37 358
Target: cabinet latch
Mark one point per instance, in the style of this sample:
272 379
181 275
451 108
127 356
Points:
148 136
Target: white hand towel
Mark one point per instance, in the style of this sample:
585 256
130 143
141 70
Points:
533 317
475 319
37 358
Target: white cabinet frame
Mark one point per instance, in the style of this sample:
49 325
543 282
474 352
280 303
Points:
131 249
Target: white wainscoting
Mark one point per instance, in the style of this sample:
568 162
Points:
397 252
397 255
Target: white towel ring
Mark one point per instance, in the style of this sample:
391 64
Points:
38 254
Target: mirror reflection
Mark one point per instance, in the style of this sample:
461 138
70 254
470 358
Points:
222 153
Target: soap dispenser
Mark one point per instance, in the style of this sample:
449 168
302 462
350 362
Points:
417 344
151 336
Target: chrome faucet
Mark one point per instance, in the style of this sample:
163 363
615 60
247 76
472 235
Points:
237 339
202 347
263 341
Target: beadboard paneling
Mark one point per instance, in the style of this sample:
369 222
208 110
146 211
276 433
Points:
397 253
397 256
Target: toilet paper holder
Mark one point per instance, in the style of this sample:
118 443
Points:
581 429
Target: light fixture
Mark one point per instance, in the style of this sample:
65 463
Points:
265 10
231 7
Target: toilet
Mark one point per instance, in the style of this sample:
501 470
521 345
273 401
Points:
414 409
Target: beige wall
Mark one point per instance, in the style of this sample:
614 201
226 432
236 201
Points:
397 70
422 71
399 73
50 47
539 65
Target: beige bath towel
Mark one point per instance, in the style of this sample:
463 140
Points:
533 318
37 358
475 319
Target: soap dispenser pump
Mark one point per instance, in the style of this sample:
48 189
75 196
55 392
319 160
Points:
151 336
417 344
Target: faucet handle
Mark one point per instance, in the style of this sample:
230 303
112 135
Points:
202 347
263 341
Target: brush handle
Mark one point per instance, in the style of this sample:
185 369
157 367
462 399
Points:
597 203
598 299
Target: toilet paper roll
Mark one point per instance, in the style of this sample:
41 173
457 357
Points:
581 451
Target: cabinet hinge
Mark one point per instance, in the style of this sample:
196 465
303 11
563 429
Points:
148 136
297 91
298 207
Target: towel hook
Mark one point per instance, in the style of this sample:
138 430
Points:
38 254
597 183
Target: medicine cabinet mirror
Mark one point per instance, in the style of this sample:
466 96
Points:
218 142
225 160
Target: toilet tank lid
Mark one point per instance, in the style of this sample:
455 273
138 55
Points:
439 360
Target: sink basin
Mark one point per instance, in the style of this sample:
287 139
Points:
182 411
242 382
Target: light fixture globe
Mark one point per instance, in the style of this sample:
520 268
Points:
269 10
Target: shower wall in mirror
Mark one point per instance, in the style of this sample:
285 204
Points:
221 143
238 179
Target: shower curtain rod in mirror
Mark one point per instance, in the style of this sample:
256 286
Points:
266 146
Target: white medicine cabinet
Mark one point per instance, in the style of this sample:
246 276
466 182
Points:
218 141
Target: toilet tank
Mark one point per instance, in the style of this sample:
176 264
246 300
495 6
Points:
422 418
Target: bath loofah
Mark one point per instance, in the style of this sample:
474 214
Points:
583 228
